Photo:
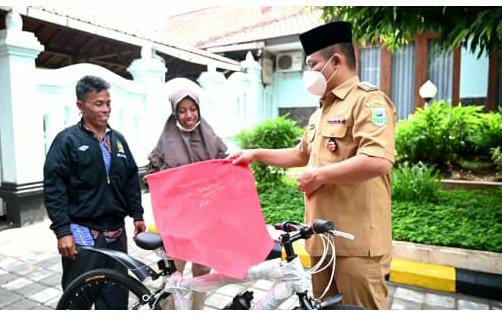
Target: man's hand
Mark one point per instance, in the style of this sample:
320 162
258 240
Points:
139 226
242 157
66 247
308 182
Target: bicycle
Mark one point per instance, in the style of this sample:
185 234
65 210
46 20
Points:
152 290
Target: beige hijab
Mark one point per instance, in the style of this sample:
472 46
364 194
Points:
176 147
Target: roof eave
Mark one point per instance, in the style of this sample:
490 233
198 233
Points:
191 55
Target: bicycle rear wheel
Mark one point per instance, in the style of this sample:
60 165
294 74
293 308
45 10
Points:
343 307
82 293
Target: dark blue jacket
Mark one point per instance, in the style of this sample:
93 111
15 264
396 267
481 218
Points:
77 189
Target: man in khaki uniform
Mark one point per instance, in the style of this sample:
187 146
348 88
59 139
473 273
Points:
348 147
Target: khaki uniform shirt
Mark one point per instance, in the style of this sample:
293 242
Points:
361 120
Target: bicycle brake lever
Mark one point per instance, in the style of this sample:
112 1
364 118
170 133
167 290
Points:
288 226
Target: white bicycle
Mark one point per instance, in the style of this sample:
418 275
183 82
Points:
152 290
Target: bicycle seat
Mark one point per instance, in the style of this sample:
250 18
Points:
148 240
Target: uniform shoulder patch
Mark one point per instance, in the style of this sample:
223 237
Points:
366 86
379 116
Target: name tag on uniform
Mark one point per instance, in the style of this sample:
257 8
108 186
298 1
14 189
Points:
337 120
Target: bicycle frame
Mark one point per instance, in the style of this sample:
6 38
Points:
289 276
289 279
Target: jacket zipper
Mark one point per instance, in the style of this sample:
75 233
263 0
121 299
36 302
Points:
108 181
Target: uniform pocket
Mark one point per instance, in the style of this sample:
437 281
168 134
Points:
336 151
336 131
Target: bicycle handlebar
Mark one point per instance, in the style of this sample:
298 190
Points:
288 226
318 226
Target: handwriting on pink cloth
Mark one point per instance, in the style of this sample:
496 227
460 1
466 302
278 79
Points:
209 213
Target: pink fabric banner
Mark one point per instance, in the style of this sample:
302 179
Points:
209 213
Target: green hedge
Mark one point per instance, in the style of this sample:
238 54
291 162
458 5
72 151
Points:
459 218
449 137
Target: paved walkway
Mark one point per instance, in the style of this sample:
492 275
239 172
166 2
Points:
30 274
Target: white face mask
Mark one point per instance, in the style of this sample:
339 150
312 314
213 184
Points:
182 128
315 82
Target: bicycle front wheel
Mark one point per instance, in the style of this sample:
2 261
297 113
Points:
86 292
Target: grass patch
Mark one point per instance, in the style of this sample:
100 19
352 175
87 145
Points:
458 218
465 219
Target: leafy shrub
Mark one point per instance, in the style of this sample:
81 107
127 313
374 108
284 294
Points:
440 135
489 135
415 182
475 165
270 134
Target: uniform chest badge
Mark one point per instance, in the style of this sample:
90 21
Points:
332 145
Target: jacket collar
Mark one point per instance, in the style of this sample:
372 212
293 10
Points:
80 124
343 90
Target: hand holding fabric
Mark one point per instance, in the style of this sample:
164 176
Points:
242 157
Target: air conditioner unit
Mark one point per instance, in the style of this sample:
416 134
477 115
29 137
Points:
289 61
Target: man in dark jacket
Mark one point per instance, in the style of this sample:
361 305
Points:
90 185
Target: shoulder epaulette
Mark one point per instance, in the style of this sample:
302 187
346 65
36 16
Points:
366 86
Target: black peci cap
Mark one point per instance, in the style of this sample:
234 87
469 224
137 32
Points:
326 35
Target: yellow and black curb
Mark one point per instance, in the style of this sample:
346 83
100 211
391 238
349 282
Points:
446 278
432 276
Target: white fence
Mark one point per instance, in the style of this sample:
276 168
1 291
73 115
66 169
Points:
140 106
139 109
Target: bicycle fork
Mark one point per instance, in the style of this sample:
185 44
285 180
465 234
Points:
292 281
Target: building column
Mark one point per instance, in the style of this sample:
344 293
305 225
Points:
149 72
421 55
254 102
493 100
22 151
455 98
386 71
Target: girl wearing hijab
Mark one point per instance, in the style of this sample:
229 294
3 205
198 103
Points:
186 138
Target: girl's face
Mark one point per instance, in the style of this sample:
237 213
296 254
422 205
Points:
188 113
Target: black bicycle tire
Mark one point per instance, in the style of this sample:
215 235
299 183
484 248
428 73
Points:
80 282
344 307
